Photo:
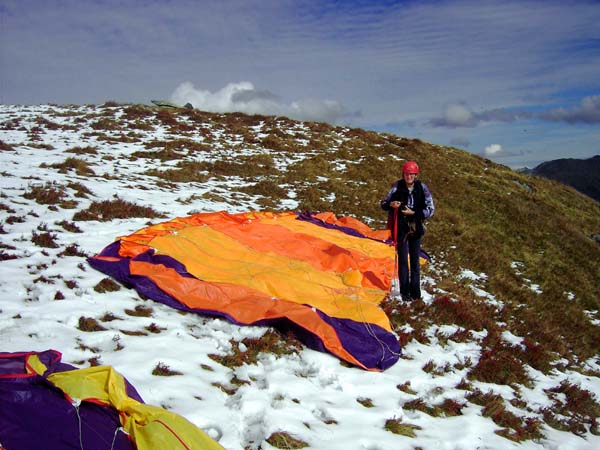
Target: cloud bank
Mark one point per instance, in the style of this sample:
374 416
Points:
458 115
587 112
244 97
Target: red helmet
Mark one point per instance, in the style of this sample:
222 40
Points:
410 167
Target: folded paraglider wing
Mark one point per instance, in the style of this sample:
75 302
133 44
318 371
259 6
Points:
49 404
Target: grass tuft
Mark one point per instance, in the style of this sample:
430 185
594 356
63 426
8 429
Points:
73 250
69 226
45 239
574 409
284 440
499 365
140 311
271 342
396 426
108 210
107 285
513 427
154 328
89 324
162 370
6 147
48 194
366 402
79 166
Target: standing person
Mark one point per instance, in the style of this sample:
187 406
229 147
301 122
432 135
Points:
408 203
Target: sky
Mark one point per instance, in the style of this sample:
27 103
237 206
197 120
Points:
310 395
515 81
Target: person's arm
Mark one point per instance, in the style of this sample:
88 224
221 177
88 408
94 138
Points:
429 206
385 203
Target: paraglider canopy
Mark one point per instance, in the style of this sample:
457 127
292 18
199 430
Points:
321 277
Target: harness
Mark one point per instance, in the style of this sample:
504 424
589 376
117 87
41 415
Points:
409 225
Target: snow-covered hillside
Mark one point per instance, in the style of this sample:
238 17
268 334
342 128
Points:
47 286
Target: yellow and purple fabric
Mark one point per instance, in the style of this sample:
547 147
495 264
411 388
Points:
318 276
46 403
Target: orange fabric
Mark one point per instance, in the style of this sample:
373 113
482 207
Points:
351 222
215 257
322 254
242 304
132 248
266 235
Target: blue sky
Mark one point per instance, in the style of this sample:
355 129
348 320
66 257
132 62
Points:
515 81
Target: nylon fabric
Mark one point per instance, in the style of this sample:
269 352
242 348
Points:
242 305
214 257
318 275
59 406
146 424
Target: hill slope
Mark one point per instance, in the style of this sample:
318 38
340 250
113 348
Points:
507 336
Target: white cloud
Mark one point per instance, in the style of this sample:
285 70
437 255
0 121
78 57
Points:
493 150
458 115
496 151
244 97
455 115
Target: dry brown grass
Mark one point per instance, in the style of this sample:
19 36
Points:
83 150
50 194
80 167
284 440
6 147
162 370
44 239
396 426
115 209
514 428
69 226
106 124
575 409
140 311
106 285
187 146
90 324
73 250
271 342
187 172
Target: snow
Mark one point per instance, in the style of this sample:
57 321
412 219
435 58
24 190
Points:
309 395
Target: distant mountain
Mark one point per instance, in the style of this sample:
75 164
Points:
582 174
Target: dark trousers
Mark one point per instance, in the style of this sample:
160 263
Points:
409 268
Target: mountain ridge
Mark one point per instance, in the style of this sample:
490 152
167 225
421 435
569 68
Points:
582 174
